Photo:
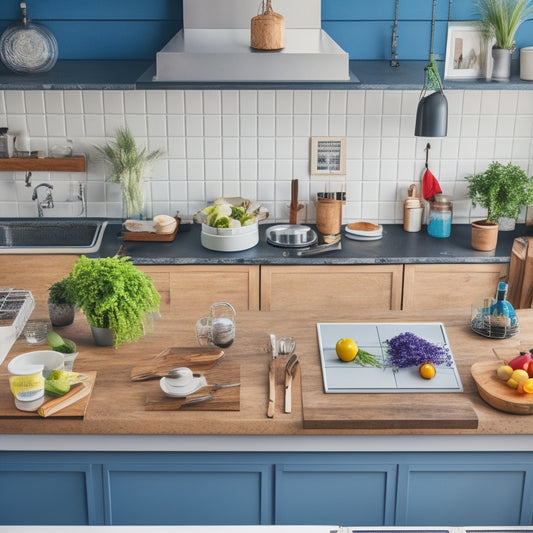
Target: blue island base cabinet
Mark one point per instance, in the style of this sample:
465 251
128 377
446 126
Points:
348 489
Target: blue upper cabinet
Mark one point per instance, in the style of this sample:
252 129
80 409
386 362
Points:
137 29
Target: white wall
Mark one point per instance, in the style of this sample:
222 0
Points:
252 143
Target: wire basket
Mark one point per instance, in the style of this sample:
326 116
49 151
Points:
490 325
16 307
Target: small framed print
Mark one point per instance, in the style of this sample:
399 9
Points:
467 52
328 156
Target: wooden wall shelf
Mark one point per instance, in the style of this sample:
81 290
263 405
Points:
75 163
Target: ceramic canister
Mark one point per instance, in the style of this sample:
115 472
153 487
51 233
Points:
526 63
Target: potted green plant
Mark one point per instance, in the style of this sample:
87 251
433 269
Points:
61 303
116 298
503 190
500 19
130 167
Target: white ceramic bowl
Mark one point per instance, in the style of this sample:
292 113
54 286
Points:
45 360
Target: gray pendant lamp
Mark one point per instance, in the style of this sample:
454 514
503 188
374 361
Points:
432 111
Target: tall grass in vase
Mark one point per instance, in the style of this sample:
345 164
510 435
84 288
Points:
129 169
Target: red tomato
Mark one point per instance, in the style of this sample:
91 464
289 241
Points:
530 369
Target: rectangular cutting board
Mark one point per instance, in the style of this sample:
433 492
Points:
384 410
76 410
340 376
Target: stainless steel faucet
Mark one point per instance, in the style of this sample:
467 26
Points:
47 203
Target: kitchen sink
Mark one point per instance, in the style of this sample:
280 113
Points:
51 235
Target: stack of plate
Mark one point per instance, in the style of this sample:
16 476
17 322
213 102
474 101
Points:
363 231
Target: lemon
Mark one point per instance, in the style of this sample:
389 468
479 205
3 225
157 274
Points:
504 372
520 375
427 370
346 349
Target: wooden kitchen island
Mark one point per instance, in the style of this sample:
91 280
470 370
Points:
403 459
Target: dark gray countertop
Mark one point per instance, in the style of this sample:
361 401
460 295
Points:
131 75
396 247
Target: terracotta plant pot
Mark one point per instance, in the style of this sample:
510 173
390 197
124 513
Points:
484 235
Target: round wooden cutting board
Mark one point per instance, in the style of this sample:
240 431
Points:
496 393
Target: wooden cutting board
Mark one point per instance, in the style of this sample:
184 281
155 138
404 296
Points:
223 399
198 359
75 410
496 393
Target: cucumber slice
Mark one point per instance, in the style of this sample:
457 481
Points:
56 387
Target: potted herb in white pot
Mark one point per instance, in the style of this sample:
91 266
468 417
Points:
130 169
503 190
500 19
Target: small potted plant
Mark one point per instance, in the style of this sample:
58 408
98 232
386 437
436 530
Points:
130 167
61 303
500 19
503 190
118 300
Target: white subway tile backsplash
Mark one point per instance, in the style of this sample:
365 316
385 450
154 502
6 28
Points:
266 103
113 102
212 104
156 102
253 142
134 102
194 147
194 102
34 102
14 102
175 102
284 102
93 102
319 102
194 125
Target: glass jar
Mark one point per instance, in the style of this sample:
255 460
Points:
440 216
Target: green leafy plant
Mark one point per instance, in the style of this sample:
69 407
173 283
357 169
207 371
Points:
502 189
500 19
129 168
113 293
61 292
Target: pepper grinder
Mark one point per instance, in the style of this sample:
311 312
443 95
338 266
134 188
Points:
412 211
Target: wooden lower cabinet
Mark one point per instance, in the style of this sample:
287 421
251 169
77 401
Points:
196 287
448 286
358 287
261 488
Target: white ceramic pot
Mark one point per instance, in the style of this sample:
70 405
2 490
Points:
526 63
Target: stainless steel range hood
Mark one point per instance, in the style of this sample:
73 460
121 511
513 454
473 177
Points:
214 45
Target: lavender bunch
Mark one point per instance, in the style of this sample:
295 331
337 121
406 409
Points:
407 349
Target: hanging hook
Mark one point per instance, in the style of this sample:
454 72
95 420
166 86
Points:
428 148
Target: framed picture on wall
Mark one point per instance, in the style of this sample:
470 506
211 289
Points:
328 156
467 52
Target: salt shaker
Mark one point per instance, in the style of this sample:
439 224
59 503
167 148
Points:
412 211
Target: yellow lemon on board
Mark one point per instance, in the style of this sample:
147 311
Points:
427 370
346 349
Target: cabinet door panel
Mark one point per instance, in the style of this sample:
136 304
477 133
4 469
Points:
292 288
47 494
455 495
449 286
189 494
346 494
196 287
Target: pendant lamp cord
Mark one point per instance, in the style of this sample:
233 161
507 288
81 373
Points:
433 27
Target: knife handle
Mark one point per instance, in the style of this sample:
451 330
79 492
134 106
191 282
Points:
271 390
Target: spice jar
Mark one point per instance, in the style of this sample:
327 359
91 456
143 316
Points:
440 216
